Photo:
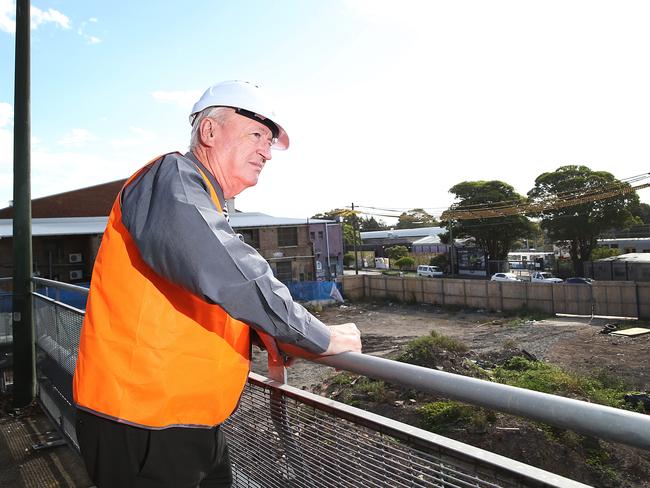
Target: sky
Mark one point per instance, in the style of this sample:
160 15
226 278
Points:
387 104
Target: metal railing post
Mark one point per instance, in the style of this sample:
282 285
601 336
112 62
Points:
24 387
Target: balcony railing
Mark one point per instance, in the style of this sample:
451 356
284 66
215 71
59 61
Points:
281 436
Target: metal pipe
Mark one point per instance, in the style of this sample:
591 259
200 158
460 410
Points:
614 424
60 285
24 387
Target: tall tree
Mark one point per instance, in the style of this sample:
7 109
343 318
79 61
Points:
370 223
579 226
494 235
347 217
415 218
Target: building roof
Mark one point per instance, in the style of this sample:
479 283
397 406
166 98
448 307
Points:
402 233
625 239
92 201
427 240
65 226
632 257
257 219
96 225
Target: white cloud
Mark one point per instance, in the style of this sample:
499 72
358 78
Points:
38 17
6 114
82 32
6 150
7 16
77 138
184 99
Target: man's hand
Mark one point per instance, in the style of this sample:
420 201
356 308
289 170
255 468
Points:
343 338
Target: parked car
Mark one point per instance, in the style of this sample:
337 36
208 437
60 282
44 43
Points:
504 277
430 271
579 280
544 277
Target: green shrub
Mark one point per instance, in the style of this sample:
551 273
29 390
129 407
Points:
440 416
404 262
423 350
544 377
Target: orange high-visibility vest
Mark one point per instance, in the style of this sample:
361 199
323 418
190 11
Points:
151 353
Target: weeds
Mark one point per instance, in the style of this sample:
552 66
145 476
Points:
441 416
544 377
422 351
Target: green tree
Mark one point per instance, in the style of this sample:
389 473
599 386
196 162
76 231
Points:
348 259
347 217
601 252
642 211
440 260
579 226
396 252
494 235
415 218
405 262
370 223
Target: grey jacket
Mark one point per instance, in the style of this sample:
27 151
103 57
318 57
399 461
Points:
183 237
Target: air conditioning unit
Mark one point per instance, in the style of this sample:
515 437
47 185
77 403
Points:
76 274
75 257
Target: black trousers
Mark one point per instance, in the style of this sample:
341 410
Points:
122 456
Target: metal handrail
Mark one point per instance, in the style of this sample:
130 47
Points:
614 424
60 284
600 421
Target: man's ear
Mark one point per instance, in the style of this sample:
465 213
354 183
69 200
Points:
207 132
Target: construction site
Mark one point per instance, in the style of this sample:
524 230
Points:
498 341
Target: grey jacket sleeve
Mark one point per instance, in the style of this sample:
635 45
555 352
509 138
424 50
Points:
184 238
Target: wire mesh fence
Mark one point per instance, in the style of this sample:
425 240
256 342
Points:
284 437
57 327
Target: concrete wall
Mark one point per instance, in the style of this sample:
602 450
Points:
624 298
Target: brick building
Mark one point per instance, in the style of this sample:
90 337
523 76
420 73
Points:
67 230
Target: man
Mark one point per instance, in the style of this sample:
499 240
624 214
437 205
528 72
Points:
164 349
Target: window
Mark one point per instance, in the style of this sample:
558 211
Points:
283 271
287 236
320 234
312 236
251 237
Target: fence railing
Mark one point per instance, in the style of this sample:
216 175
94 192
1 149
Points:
623 299
283 436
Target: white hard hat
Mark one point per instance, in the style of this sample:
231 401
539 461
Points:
247 100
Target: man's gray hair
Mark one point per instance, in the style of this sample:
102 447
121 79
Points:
219 114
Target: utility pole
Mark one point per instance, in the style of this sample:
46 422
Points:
354 240
24 386
451 247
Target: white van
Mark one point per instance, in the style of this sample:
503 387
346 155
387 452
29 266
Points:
430 271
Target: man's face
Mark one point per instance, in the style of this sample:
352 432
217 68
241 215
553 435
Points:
242 148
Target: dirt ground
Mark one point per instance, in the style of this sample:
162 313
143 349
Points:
573 343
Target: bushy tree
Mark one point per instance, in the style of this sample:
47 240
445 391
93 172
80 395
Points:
396 252
415 218
405 262
579 226
601 252
494 235
367 224
440 260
